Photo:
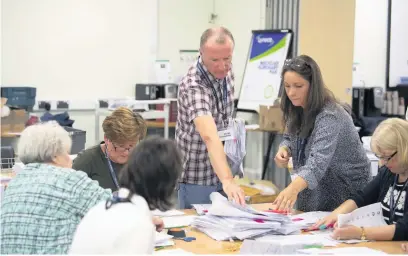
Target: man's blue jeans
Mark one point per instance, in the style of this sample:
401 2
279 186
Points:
189 194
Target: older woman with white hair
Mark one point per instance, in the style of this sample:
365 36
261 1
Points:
44 203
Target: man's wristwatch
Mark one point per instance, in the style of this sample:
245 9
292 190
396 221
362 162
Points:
363 234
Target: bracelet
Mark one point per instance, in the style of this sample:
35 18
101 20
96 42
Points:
363 234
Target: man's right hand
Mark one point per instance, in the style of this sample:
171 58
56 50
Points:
282 157
234 191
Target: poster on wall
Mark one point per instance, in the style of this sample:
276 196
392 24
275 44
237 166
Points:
262 80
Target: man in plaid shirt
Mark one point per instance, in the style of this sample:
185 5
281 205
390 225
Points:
205 104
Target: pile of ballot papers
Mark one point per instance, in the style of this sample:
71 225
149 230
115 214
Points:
227 220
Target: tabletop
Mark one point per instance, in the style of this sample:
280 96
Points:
206 245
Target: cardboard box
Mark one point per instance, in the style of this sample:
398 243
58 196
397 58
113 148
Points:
270 118
14 123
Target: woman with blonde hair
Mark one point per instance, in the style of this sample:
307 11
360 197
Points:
390 144
123 129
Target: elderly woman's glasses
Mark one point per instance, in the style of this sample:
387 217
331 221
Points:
121 149
386 159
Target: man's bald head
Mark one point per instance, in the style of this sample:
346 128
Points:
219 34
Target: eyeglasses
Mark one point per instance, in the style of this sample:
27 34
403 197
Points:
386 159
121 149
296 62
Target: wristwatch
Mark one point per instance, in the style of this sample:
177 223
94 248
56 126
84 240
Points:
363 234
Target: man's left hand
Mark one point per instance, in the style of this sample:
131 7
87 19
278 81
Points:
234 192
347 232
158 223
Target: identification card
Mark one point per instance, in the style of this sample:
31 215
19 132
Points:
226 134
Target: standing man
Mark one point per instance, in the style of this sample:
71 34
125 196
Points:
205 104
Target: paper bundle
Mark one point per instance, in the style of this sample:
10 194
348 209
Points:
227 220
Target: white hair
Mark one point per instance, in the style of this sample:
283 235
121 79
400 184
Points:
40 143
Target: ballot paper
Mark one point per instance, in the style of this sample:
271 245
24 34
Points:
235 149
328 234
254 247
367 216
201 209
178 221
342 251
177 251
168 213
300 239
163 239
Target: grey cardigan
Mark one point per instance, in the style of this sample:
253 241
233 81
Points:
335 165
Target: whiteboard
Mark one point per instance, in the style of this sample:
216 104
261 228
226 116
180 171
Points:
398 67
370 36
268 51
75 49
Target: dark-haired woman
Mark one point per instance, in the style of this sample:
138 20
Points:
329 161
123 225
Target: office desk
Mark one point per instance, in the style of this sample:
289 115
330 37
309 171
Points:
206 245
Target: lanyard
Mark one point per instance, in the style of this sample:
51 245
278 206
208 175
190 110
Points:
119 199
392 206
301 146
112 172
225 91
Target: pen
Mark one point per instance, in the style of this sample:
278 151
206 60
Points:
312 246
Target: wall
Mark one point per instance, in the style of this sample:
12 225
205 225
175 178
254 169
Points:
399 42
326 33
180 24
370 42
241 26
75 49
181 28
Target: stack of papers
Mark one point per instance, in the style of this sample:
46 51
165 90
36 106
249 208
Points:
163 239
227 220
